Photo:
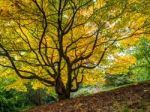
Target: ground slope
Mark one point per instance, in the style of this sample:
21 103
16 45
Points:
133 98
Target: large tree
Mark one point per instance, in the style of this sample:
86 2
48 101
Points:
58 41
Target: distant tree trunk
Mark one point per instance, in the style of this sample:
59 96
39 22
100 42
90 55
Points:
38 97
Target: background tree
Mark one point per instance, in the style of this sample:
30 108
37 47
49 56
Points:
59 41
141 69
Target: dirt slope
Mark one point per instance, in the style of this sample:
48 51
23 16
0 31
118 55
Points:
134 98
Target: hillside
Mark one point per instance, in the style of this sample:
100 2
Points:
133 98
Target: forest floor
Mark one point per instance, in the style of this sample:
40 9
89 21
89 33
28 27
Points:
132 98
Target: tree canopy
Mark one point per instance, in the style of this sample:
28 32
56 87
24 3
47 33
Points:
59 42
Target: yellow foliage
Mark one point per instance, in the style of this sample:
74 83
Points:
18 85
93 77
148 37
36 84
129 42
121 64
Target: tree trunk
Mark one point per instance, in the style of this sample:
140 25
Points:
61 91
63 96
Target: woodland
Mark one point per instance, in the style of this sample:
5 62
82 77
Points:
53 51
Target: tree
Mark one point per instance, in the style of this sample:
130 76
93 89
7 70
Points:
141 69
59 41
